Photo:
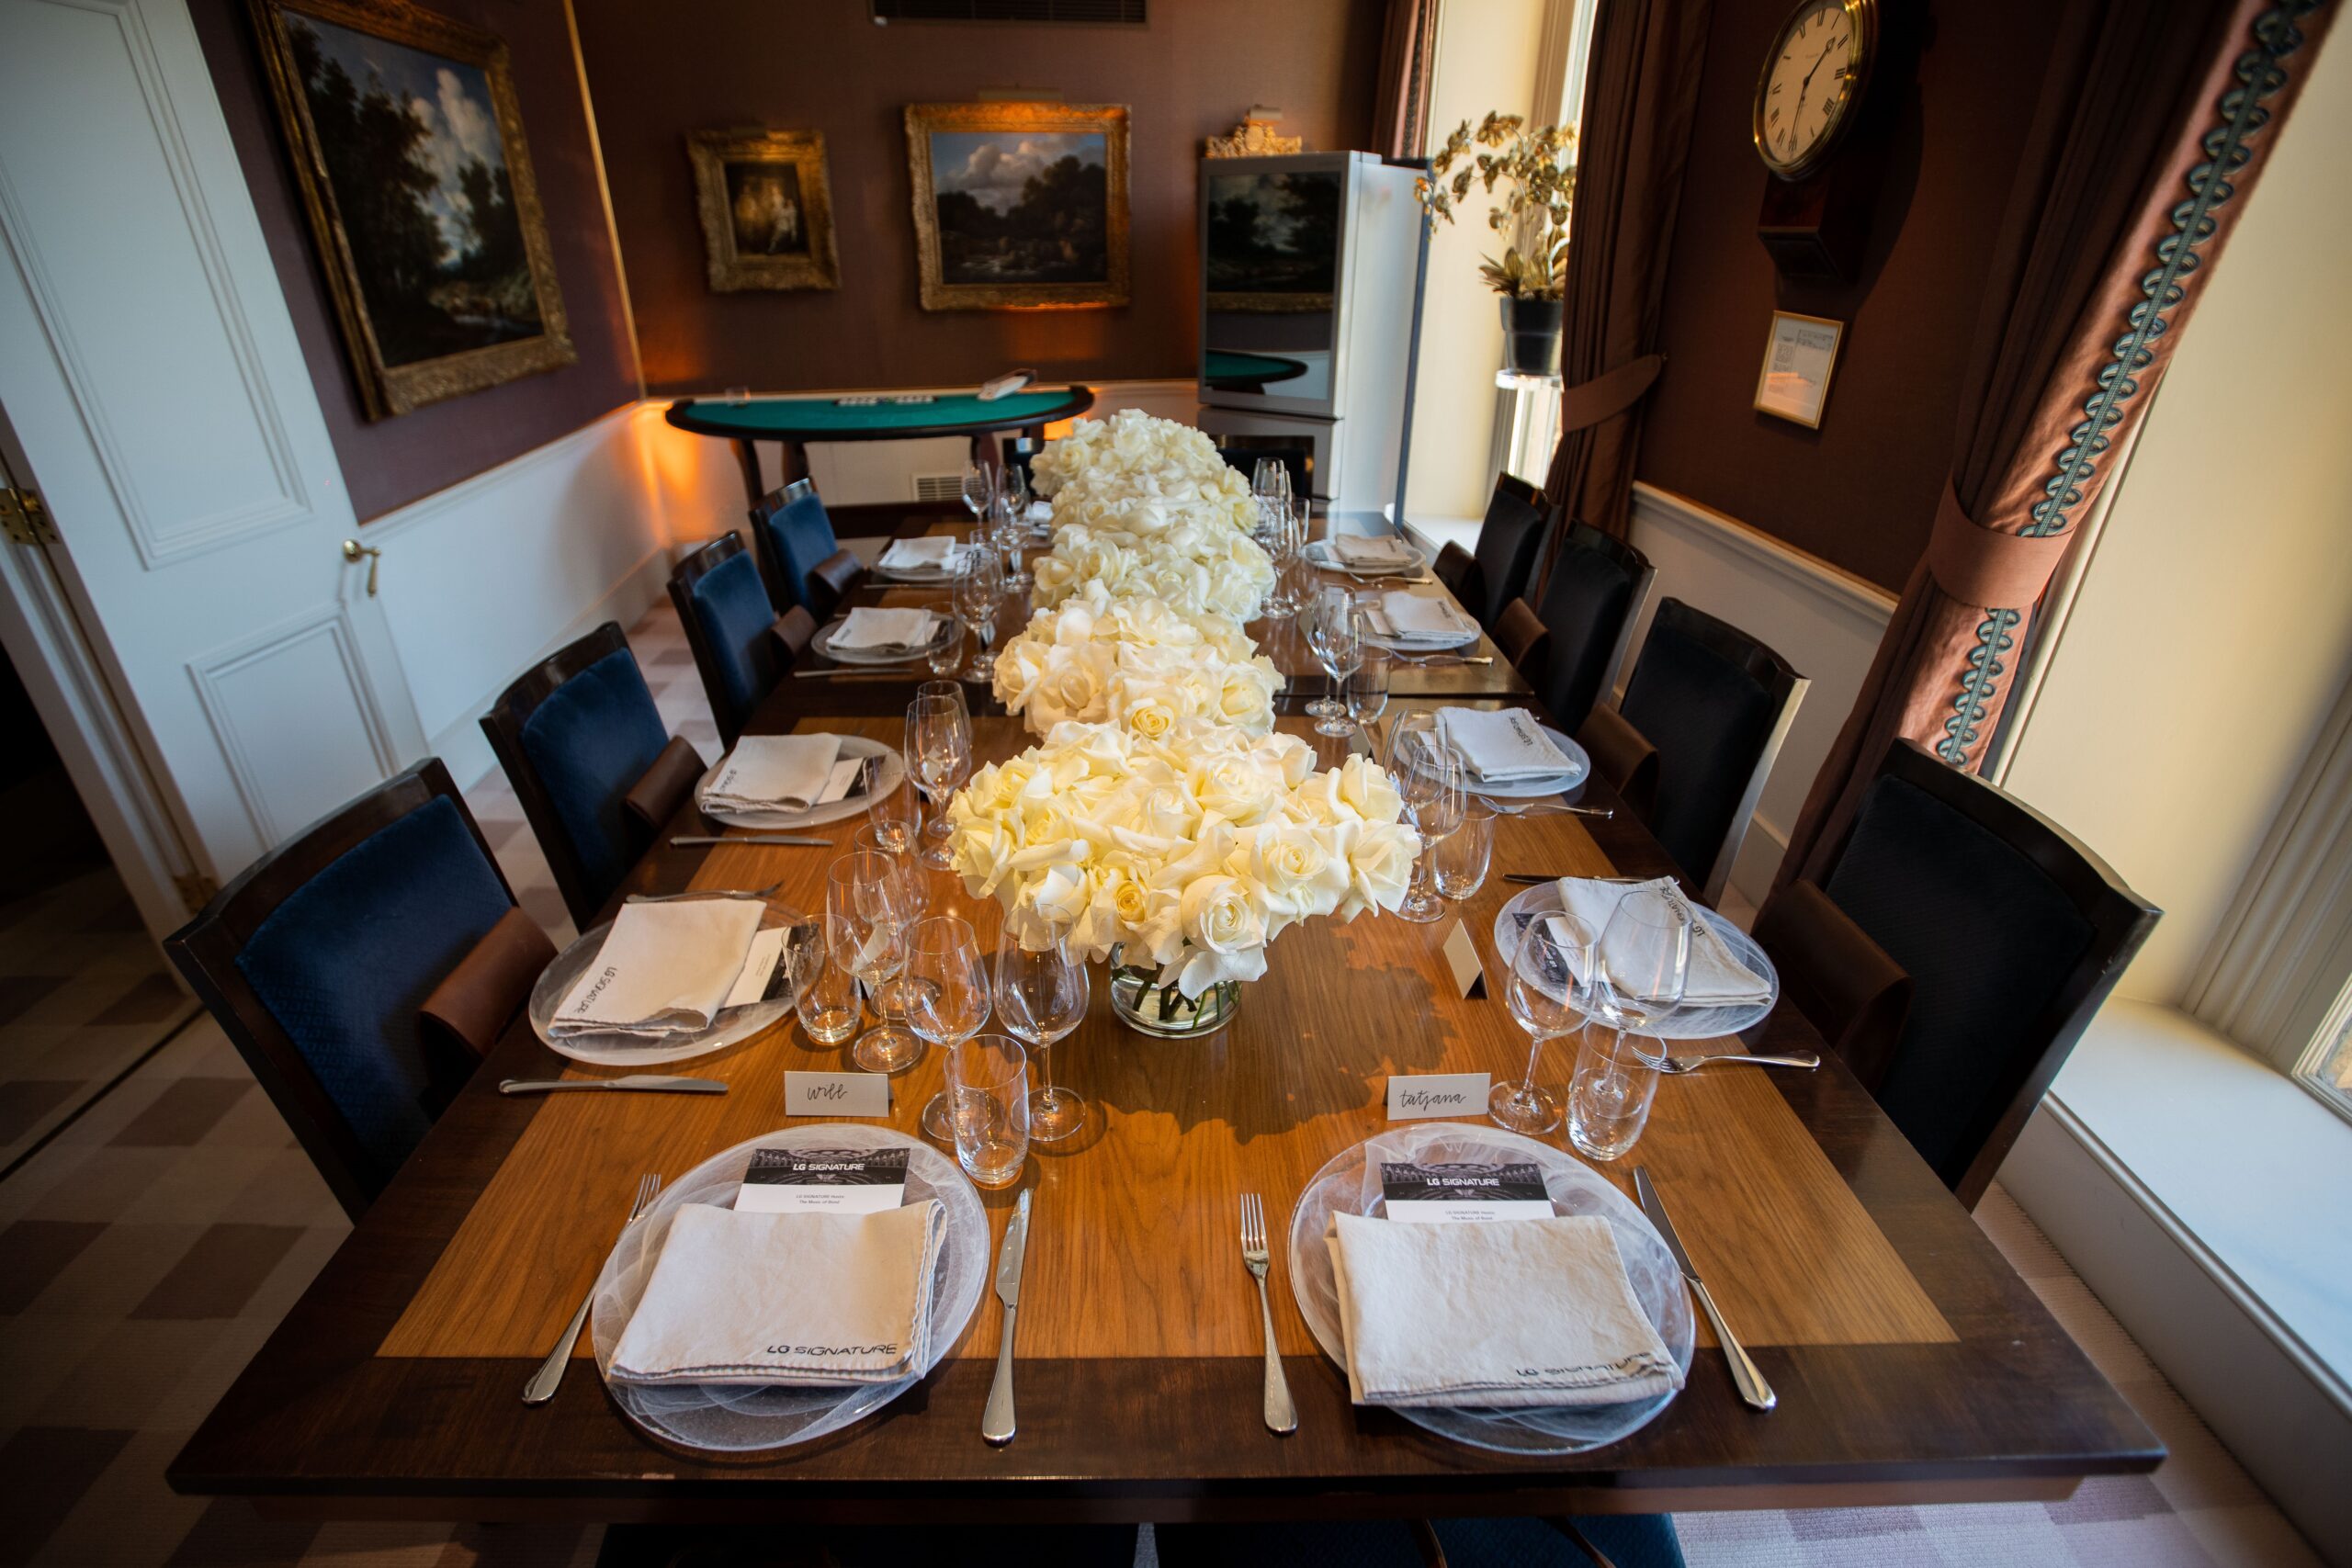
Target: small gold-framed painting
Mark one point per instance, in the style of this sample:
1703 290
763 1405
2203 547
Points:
1020 206
1798 358
407 143
767 209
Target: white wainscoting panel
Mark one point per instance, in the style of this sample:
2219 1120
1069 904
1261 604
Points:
484 578
1824 621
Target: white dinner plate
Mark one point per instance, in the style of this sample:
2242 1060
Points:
732 1027
721 1418
943 628
1321 556
894 773
1685 1022
1350 1184
929 576
1579 769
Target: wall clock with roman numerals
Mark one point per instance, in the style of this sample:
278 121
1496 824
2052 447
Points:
1812 85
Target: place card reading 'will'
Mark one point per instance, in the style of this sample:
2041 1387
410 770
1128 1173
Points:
836 1094
1415 1095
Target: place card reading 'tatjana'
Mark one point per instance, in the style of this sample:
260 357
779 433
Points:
1415 1095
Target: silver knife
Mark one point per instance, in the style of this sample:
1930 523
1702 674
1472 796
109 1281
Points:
996 1421
1744 1372
682 840
642 1083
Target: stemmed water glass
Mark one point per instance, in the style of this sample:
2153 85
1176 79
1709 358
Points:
979 488
979 588
1634 980
1366 689
1429 777
1335 637
1540 993
866 918
947 981
1009 534
1041 995
939 755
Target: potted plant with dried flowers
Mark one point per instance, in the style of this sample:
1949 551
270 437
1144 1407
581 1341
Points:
1538 172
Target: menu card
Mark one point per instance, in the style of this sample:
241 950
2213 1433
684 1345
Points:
1473 1194
834 1182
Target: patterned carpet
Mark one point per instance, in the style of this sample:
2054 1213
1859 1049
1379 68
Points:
155 1240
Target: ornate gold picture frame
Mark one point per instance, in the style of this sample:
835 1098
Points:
767 209
1020 206
408 147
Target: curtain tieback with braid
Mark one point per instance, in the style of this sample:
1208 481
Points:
1978 566
1609 394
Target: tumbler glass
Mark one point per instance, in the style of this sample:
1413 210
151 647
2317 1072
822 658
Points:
988 1088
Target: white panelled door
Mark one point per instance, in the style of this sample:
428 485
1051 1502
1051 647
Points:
151 374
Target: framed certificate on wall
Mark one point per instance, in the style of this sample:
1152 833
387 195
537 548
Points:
1798 358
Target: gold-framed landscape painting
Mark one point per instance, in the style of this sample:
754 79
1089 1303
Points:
407 143
767 209
1020 206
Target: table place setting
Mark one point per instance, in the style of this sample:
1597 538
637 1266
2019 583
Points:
1411 623
789 1287
1508 754
933 557
873 634
1370 555
798 781
670 978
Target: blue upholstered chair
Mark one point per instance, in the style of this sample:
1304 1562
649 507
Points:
578 735
1716 703
790 535
1613 1540
727 620
2001 932
317 960
1588 601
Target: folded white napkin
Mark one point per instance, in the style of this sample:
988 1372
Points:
794 1300
929 552
1525 1313
1410 617
1505 746
779 772
1374 551
666 967
869 628
1711 975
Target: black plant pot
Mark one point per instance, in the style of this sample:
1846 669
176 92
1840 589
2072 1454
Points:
1531 336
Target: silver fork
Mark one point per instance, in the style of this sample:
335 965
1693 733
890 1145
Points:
543 1384
1280 1415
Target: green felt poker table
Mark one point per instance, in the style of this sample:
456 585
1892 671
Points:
794 421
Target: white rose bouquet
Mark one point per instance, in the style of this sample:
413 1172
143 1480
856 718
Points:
1138 663
1190 853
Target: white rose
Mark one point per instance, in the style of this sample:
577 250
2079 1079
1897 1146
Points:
1300 869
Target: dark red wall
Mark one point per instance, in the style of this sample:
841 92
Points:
657 71
1861 490
394 462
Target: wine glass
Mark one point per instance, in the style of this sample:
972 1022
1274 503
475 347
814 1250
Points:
1041 995
866 924
1540 993
1365 691
1635 981
979 588
947 982
950 691
979 488
1009 534
939 756
1335 638
1428 779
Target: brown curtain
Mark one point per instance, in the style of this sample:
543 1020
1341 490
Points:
2153 126
1400 114
1641 90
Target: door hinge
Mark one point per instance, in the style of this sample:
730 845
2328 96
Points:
196 890
24 518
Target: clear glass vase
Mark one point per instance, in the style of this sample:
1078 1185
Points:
1150 1008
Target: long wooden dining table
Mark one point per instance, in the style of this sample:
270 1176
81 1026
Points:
1912 1363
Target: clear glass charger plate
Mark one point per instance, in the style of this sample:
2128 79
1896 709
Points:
733 1026
1321 556
723 1418
943 628
1686 1022
1350 1183
894 773
1579 769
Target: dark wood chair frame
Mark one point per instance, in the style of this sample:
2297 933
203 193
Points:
698 564
504 725
205 949
1784 687
2120 921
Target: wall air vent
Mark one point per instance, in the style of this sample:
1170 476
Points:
1066 13
939 486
